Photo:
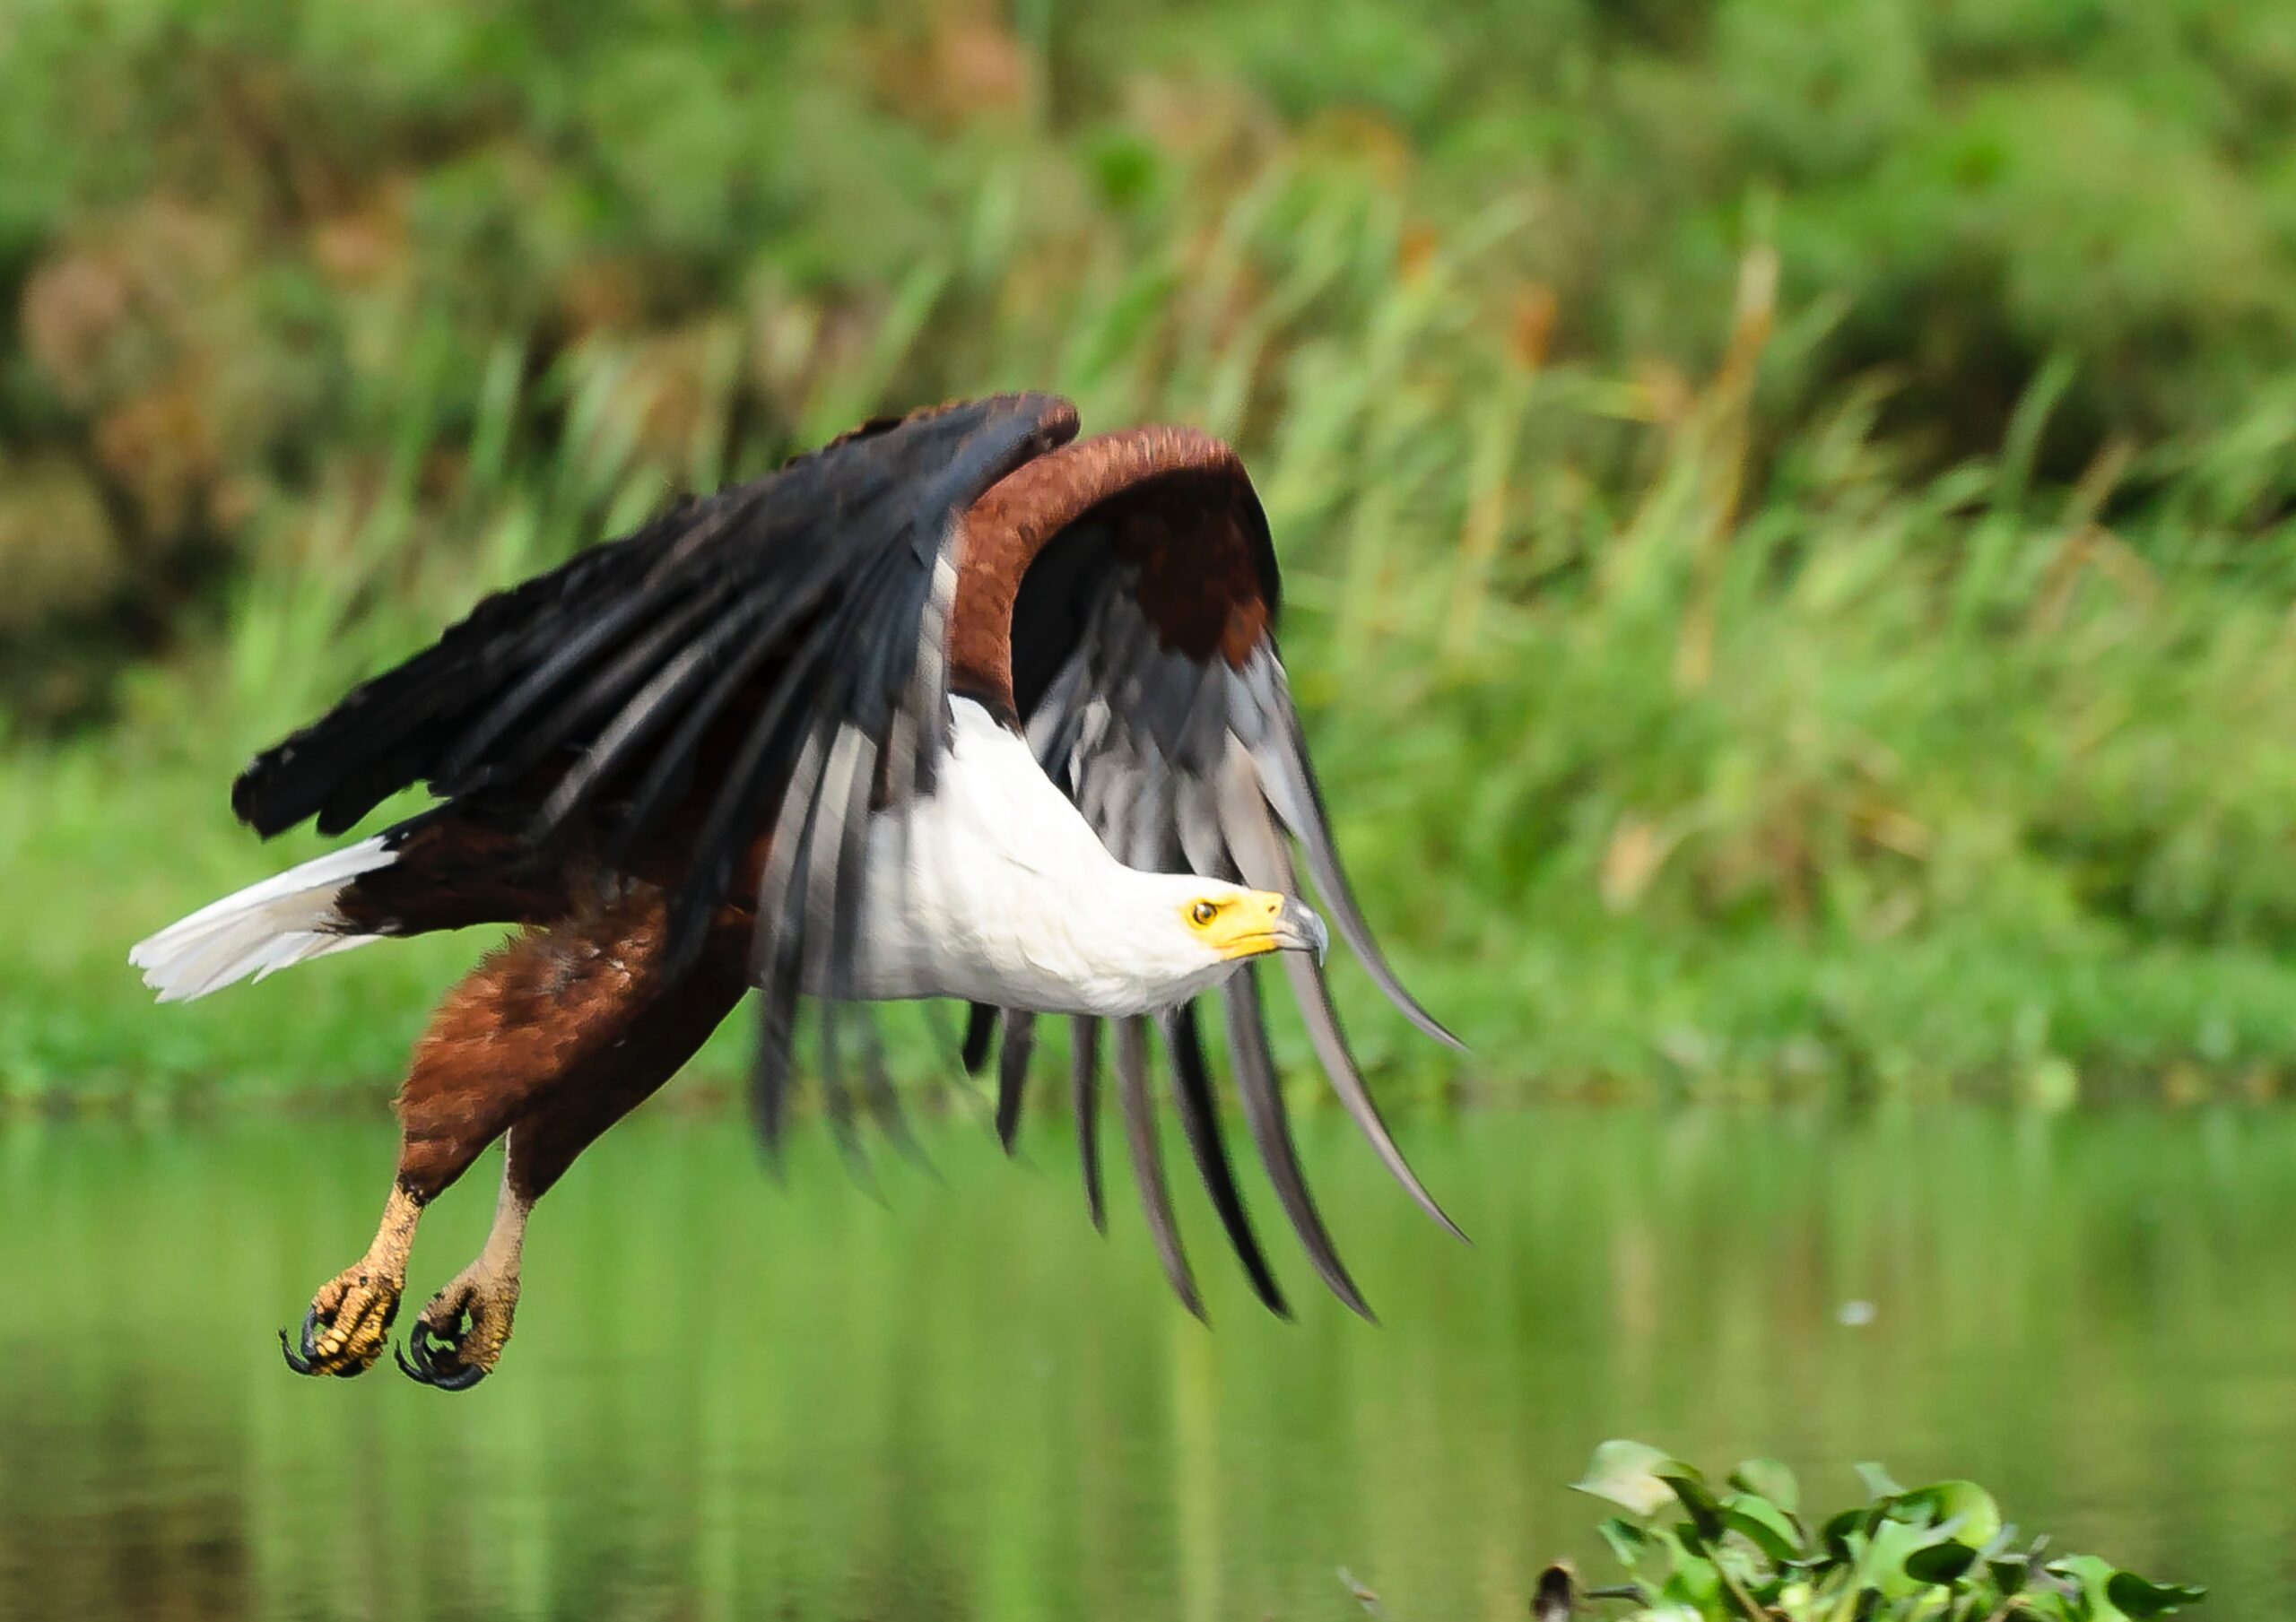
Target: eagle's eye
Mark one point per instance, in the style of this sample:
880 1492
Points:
1203 912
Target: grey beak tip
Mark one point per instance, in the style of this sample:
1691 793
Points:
1311 931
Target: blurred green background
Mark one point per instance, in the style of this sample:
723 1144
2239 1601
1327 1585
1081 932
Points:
1787 505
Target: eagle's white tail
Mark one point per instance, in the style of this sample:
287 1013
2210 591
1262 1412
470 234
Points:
262 928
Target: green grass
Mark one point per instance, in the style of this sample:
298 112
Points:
238 239
1788 582
1877 787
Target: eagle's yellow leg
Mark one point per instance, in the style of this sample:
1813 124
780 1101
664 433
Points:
459 1336
351 1316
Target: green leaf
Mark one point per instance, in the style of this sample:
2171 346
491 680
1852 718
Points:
1697 1498
2047 1603
2091 1578
2009 1575
1628 1542
1882 1563
1940 1563
2141 1598
1762 1523
1695 1582
1625 1473
1835 1536
1976 1518
1879 1482
1767 1478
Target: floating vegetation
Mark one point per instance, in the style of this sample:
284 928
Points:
1746 1549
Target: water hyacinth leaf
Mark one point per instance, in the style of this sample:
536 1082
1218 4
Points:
2091 1580
1628 1542
1936 1553
1746 1573
1764 1524
1683 1555
1697 1498
1844 1534
2009 1574
1879 1482
1625 1473
2141 1598
1883 1562
1769 1478
1695 1582
1967 1507
1944 1562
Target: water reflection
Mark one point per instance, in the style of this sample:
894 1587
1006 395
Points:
732 1399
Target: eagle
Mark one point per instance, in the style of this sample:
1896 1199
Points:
959 705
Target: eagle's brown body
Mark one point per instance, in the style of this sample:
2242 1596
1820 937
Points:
558 1035
621 750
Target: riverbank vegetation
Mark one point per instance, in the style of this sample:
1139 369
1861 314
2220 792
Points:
1787 510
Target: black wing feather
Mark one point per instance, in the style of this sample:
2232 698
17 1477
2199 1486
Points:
1148 1160
850 532
1085 1102
981 1030
1271 1130
1012 1074
1200 1121
1195 762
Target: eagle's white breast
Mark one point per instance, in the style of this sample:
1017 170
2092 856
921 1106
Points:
993 888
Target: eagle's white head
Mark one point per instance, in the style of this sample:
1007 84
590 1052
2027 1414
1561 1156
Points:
994 888
1133 942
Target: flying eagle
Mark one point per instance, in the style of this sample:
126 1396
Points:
959 705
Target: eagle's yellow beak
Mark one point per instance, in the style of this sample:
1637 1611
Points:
1260 921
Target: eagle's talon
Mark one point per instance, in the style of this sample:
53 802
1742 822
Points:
346 1328
302 1353
420 1362
458 1337
433 1357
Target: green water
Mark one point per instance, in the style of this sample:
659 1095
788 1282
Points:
729 1399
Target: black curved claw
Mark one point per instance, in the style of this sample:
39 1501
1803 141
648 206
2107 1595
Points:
302 1362
427 1364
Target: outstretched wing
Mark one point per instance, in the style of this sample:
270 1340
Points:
1135 573
735 683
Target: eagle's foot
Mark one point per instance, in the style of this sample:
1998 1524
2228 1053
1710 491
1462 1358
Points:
459 1336
349 1319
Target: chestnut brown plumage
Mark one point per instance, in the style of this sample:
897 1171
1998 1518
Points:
662 760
